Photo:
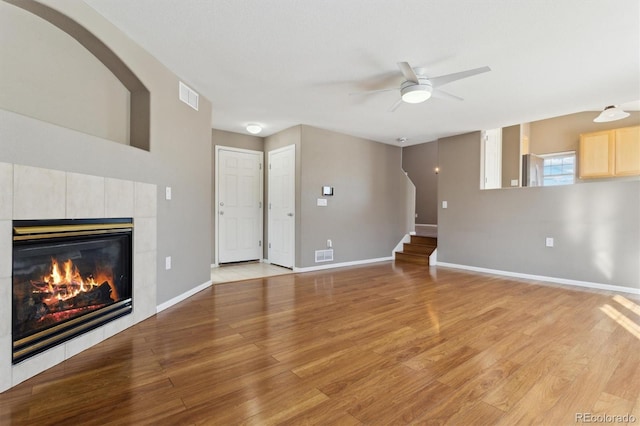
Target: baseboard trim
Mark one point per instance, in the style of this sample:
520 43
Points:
555 280
342 264
169 303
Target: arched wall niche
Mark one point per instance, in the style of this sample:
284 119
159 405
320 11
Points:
139 97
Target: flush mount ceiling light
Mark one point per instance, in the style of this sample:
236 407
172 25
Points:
611 113
254 129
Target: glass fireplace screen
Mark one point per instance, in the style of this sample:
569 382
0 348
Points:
69 277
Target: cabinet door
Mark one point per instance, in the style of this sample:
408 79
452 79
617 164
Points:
627 151
596 154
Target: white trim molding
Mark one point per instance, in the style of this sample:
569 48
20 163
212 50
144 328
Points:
564 281
169 303
342 264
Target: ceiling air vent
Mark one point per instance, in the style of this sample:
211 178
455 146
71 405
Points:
188 96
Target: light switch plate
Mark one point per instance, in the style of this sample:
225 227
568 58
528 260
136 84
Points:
167 192
444 204
549 242
322 202
167 263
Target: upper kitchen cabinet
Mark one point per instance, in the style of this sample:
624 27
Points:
610 153
627 151
596 154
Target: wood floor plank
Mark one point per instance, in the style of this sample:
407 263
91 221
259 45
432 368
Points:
378 344
611 405
521 382
468 395
533 408
586 389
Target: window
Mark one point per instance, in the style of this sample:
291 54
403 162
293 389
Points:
559 168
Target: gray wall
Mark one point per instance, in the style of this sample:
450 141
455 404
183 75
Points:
595 225
420 161
234 140
369 212
510 155
366 216
179 156
84 95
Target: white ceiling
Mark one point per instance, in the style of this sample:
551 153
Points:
280 63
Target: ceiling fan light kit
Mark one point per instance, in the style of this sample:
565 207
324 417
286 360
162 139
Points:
611 113
417 87
415 93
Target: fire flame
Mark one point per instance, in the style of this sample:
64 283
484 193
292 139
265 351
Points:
67 282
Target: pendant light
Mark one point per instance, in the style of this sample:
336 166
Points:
611 113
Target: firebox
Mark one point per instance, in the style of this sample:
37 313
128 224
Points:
69 276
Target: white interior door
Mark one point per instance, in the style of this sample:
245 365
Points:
282 166
239 204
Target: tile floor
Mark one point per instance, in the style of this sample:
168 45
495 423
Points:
245 271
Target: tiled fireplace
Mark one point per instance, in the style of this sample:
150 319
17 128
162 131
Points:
30 195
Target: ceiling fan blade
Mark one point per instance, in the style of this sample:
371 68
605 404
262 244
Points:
396 105
408 72
369 92
437 93
448 78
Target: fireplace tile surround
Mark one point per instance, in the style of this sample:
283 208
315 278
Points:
36 193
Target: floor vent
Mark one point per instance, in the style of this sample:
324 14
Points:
188 96
324 255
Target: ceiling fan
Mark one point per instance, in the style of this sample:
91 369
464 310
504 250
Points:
417 87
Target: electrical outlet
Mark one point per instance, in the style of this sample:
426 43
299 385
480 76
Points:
549 242
329 244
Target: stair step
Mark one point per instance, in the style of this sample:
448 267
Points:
420 259
425 241
417 249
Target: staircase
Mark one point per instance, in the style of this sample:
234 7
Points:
418 250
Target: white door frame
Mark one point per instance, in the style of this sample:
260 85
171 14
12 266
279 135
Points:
493 136
293 230
216 212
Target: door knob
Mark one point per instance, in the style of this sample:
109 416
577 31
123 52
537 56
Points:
221 213
289 214
221 204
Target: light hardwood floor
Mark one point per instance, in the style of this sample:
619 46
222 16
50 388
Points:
376 345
